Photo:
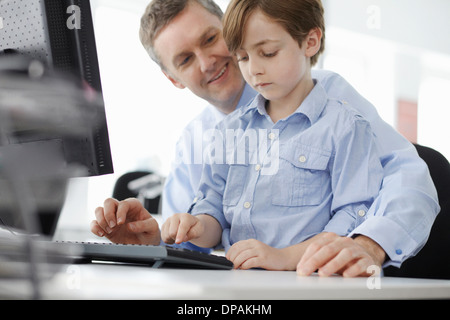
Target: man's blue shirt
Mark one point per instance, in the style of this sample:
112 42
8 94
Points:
399 219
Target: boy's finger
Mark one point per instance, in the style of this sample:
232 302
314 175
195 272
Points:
182 233
172 228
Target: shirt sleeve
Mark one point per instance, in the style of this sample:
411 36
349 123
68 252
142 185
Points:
401 217
178 191
181 186
210 194
356 177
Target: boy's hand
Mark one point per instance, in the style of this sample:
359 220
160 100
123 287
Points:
247 254
181 227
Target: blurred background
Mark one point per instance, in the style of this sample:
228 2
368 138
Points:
395 53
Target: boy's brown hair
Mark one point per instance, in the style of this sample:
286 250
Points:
298 18
159 13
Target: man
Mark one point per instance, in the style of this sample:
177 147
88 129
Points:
184 37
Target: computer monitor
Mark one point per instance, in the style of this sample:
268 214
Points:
60 34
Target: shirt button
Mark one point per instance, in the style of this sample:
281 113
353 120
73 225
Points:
247 205
361 213
272 136
257 167
195 200
302 159
399 251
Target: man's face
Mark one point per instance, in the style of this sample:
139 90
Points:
195 56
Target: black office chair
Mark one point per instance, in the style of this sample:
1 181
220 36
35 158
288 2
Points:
433 261
122 191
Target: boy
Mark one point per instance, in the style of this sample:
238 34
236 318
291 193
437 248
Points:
328 171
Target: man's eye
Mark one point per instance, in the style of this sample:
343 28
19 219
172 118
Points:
211 39
185 61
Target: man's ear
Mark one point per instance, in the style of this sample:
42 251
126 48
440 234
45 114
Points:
173 80
313 42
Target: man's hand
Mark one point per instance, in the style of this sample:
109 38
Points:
334 254
126 222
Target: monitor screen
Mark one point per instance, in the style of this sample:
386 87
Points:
57 112
60 33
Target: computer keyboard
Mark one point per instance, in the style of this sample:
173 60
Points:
155 256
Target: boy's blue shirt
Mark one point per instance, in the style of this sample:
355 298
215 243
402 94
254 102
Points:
316 170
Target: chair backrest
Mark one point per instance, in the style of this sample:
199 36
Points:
122 192
433 261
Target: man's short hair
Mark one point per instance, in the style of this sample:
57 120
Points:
159 13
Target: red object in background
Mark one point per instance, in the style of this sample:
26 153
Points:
407 119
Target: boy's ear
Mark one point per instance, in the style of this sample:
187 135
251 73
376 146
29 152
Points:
313 42
175 82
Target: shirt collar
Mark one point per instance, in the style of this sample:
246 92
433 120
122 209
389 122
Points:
311 107
247 96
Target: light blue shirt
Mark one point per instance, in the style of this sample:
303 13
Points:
399 219
317 170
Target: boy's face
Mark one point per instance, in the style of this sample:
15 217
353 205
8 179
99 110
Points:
271 61
192 50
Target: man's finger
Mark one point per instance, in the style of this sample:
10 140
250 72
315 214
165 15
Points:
130 207
343 258
110 209
100 217
96 229
310 260
358 268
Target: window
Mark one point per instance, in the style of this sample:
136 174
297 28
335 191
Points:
434 114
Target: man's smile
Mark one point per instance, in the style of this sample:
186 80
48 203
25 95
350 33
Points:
219 75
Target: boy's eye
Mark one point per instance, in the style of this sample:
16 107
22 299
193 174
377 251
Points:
242 58
270 55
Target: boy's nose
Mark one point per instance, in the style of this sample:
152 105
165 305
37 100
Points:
255 68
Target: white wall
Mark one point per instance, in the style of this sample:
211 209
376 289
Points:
391 50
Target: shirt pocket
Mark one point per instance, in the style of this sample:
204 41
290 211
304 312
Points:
236 179
303 177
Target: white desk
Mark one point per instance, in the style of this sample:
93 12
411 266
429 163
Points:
134 282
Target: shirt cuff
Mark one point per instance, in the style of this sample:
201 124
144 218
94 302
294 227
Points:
203 206
394 240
